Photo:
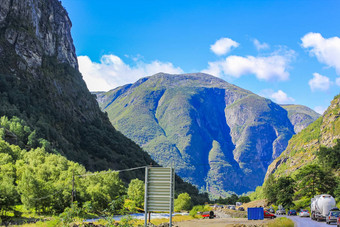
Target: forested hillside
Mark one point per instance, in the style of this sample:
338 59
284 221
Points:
302 148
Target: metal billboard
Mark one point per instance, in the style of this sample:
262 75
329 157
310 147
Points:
159 190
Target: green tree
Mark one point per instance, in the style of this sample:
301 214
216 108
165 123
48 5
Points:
285 191
330 157
8 193
243 199
337 190
312 180
103 188
136 192
183 202
269 189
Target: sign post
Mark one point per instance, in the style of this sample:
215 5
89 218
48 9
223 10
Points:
159 190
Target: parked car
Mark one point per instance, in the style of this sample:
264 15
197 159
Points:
271 210
332 216
208 214
232 207
291 212
238 204
281 212
269 215
338 222
304 213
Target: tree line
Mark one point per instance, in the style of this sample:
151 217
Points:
36 176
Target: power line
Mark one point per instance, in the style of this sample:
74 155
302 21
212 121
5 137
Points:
112 171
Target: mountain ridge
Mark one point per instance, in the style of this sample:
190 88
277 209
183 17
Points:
168 114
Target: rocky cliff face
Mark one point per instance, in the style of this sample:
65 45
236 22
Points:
40 83
302 147
37 28
218 136
300 116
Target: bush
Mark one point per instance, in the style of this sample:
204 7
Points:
199 208
183 202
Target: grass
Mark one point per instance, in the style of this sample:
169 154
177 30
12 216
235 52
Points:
176 218
282 222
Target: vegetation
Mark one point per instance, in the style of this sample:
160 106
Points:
313 180
199 209
282 222
42 181
330 157
183 202
243 199
308 181
304 146
228 200
136 193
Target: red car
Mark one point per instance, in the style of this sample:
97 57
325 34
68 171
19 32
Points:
209 214
269 215
338 222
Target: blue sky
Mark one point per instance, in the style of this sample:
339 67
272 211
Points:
286 50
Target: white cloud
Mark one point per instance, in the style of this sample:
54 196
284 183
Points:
273 67
223 46
278 97
337 81
319 82
260 46
327 51
112 72
320 109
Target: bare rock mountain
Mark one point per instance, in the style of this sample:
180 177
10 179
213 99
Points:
300 116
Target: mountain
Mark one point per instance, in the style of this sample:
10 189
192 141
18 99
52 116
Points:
300 116
40 83
219 137
303 146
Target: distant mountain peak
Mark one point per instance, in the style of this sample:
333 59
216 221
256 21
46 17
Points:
208 128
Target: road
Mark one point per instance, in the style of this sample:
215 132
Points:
303 222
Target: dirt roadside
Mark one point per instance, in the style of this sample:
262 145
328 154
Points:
224 219
222 222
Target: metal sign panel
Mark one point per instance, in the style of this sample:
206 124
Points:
159 190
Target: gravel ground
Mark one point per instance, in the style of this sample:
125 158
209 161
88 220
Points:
221 222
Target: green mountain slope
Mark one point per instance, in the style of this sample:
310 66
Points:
205 127
303 146
300 116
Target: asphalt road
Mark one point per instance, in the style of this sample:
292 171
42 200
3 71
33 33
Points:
304 222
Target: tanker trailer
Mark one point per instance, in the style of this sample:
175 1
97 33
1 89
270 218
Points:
320 206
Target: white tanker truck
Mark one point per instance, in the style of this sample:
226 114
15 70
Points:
320 206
